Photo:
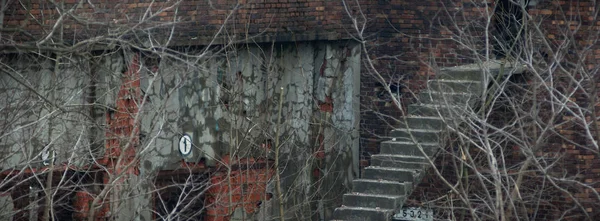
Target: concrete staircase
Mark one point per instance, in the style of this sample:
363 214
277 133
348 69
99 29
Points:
402 161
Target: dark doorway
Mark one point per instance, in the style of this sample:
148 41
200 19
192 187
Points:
180 197
509 27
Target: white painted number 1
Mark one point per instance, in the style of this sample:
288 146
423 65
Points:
185 145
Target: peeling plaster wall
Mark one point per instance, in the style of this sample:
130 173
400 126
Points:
161 117
227 103
6 207
31 121
230 104
340 140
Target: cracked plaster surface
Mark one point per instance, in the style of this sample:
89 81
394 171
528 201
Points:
229 106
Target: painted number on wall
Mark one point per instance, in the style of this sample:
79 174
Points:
414 214
185 145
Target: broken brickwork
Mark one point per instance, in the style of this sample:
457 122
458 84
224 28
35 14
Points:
417 33
266 21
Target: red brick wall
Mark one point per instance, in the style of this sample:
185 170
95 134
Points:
408 40
571 29
575 24
244 188
197 21
392 27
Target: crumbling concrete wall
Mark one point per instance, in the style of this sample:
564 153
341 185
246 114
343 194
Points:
338 97
230 102
227 102
6 207
43 107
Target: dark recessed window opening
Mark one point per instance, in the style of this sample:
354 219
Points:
509 24
180 198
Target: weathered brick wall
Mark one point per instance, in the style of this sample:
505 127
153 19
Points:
570 149
407 41
575 25
192 22
398 29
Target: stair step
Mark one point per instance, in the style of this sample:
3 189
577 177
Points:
420 135
399 161
460 74
362 214
447 98
446 111
456 86
373 200
381 187
388 173
408 148
493 67
422 122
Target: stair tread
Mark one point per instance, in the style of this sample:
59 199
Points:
390 168
389 196
455 81
421 122
448 93
488 65
437 105
410 142
365 208
419 130
381 186
380 181
424 117
398 156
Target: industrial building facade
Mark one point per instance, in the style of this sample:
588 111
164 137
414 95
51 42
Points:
263 110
